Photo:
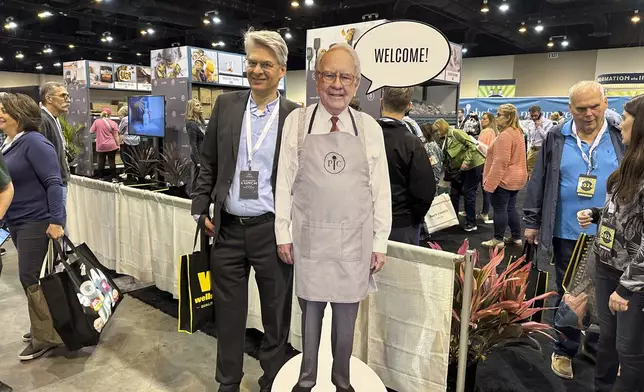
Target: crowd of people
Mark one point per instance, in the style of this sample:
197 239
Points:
313 195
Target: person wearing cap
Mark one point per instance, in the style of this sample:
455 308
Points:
107 143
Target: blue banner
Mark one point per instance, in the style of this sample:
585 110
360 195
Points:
548 104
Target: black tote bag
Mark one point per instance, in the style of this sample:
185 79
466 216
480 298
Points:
82 298
537 281
196 303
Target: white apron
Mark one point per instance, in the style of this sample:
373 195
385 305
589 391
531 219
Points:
332 216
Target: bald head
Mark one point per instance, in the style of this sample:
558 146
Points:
588 105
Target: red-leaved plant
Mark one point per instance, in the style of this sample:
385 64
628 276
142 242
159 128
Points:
499 313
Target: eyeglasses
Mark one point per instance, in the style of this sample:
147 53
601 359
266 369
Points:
345 78
64 96
265 65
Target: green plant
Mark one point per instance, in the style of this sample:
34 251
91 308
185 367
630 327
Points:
499 313
71 133
142 162
176 167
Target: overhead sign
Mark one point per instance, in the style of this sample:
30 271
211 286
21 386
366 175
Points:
402 54
621 78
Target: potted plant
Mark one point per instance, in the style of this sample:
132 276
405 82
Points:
175 170
73 146
500 314
142 164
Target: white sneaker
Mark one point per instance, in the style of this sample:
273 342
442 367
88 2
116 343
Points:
30 352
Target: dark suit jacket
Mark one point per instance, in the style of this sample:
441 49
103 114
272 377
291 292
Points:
220 148
49 128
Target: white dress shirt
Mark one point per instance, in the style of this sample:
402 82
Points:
378 170
537 134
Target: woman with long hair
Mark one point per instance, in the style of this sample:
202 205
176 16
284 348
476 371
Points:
619 271
433 152
37 212
463 165
505 174
488 135
196 128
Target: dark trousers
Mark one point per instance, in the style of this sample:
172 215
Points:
195 176
342 330
239 247
467 187
127 156
32 243
621 340
568 338
111 157
504 203
486 200
408 235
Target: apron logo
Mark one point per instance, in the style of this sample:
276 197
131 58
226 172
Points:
334 163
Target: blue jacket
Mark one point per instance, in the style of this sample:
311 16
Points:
540 206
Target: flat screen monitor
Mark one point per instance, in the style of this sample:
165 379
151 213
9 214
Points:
146 115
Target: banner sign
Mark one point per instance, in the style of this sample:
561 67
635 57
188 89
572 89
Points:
621 78
501 88
548 105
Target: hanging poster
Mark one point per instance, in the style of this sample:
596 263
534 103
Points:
231 64
204 65
143 78
453 70
101 75
622 84
170 63
75 73
125 77
501 88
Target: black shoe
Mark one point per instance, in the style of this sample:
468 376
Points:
350 389
3 251
228 388
470 227
298 388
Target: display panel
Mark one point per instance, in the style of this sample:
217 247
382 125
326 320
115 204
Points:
147 115
101 75
204 65
125 77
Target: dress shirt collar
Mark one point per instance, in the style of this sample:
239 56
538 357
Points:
325 116
48 112
254 108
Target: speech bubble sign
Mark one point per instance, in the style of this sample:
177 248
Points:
402 54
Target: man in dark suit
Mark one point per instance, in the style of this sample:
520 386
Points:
238 173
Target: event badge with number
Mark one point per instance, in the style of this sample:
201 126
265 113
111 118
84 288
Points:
586 185
606 237
249 185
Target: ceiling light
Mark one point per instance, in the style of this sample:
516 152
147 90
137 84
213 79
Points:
57 64
143 32
504 7
523 29
551 43
288 35
309 2
10 24
636 17
47 49
539 27
485 8
150 30
71 46
106 37
138 55
45 14
464 50
38 67
19 55
295 4
109 56
206 21
216 20
1 59
565 42
220 43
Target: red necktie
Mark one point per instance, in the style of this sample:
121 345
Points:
334 127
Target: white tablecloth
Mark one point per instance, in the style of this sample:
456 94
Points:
402 331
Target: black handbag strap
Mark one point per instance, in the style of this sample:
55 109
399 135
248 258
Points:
530 252
63 257
201 229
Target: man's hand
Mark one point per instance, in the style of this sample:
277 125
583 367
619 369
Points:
532 236
464 167
55 231
538 123
617 304
210 228
285 252
585 218
377 262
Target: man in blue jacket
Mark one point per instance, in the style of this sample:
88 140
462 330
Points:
570 175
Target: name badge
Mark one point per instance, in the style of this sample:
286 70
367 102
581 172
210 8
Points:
586 186
606 237
249 185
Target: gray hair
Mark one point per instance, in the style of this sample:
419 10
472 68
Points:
348 49
270 39
48 89
583 86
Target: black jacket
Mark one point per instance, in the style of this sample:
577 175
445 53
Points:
411 175
196 140
220 149
49 128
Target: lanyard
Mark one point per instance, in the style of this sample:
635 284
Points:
589 159
252 150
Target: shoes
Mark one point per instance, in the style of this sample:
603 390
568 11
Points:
483 217
4 387
470 227
512 241
462 213
30 352
619 373
562 366
27 337
494 243
3 251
